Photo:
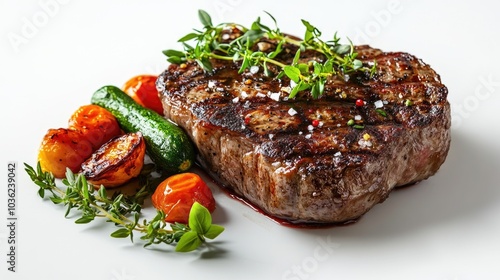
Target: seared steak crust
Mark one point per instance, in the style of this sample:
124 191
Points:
298 159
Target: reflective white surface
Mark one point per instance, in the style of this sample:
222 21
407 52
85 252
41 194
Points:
54 55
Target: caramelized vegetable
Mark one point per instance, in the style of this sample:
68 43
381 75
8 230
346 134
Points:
89 127
97 124
117 161
63 148
142 89
176 194
167 144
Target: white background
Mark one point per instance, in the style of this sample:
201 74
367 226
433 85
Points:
54 55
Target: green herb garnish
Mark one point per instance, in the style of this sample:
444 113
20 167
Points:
358 126
340 59
381 112
124 211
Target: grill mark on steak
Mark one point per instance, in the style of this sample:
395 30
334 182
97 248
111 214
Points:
294 171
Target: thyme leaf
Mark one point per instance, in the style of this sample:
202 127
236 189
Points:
124 211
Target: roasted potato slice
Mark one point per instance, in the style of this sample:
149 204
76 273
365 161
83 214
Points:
117 161
97 124
63 148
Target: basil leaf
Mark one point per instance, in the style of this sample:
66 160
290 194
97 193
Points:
200 219
214 231
188 242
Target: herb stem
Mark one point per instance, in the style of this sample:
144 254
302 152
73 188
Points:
105 214
273 61
95 203
259 59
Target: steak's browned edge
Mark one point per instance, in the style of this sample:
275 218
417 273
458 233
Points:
271 151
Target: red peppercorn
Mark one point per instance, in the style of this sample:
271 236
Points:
315 123
247 120
360 102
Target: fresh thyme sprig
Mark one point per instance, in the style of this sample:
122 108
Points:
124 211
340 59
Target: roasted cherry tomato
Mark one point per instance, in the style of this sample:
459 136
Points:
142 89
97 124
117 161
63 148
176 194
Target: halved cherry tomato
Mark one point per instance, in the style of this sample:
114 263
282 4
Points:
117 161
89 127
97 124
142 89
63 148
176 194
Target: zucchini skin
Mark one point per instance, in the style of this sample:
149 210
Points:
166 143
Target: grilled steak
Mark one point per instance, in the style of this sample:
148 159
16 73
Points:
322 160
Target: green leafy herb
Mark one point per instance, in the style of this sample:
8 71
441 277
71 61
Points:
381 112
352 123
210 43
200 223
124 211
358 126
408 102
